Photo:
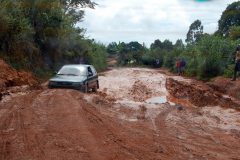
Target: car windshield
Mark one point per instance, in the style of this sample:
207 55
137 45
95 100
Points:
72 71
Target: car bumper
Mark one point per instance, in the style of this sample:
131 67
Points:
71 85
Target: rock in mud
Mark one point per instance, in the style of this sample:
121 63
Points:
179 107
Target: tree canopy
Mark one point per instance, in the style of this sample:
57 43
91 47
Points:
195 32
230 17
42 33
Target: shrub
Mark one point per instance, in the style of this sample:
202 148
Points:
209 68
228 72
147 59
169 61
192 67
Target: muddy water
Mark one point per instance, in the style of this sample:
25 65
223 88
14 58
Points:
134 88
141 94
157 100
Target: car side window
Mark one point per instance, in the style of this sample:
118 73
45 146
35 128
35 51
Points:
94 71
90 73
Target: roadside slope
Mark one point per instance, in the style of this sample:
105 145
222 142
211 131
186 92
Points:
9 77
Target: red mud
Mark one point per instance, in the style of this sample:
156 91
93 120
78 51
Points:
200 94
224 85
10 77
116 124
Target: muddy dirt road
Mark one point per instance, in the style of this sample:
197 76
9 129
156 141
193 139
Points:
132 117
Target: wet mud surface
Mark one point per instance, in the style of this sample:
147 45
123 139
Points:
134 116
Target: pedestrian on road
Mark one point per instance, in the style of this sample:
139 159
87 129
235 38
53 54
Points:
182 66
237 63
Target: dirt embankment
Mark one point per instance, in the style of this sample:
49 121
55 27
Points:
10 77
200 94
225 86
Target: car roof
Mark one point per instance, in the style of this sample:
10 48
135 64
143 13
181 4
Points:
77 65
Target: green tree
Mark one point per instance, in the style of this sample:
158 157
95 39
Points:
123 57
230 17
167 45
43 34
112 48
16 42
136 51
98 55
179 44
156 44
209 57
234 32
72 8
195 32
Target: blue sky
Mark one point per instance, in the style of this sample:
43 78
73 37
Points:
147 20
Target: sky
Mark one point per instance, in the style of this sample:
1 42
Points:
147 20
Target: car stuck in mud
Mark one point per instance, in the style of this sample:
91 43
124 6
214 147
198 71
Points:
81 77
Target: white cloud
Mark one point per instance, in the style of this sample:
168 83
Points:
147 20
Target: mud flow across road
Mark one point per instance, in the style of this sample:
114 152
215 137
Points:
134 116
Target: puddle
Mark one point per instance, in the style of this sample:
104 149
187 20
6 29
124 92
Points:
172 103
131 104
123 117
148 104
157 100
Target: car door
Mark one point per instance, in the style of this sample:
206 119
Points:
91 77
95 76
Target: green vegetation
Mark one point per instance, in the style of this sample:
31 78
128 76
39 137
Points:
230 17
41 35
207 56
195 32
210 56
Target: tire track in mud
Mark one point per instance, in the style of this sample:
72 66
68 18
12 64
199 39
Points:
13 129
162 131
113 135
37 107
41 129
91 143
88 140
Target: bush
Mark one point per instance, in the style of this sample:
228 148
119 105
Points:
169 61
192 67
209 68
228 72
148 59
98 56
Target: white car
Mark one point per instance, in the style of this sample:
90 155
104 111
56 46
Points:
81 77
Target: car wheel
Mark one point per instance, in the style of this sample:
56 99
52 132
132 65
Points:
85 88
94 89
97 85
